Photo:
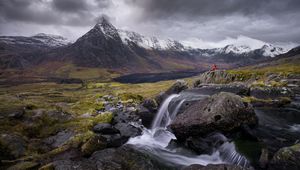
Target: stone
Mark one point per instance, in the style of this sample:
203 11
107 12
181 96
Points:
214 167
287 158
221 112
12 146
105 128
59 139
24 166
128 130
215 77
270 92
97 142
177 87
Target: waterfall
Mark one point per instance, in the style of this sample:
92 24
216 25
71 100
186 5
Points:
163 117
155 142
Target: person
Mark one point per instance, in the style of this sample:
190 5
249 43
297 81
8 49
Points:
214 67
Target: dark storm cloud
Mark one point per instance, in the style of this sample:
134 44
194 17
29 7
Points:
70 5
269 20
200 8
52 12
207 20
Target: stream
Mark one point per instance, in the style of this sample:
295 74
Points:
278 127
156 142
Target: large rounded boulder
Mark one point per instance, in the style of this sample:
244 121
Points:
222 112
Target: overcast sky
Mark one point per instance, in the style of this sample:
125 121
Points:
205 23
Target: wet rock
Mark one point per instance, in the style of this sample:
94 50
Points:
128 130
215 77
125 117
105 128
145 115
59 139
264 158
125 157
81 164
151 105
211 89
24 166
287 158
12 146
104 160
97 142
205 145
221 112
270 92
176 88
214 167
115 140
130 158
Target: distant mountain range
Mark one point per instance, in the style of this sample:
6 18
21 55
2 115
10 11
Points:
105 46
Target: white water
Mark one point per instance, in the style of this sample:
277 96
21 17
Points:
155 142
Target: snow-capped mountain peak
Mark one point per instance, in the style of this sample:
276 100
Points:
240 49
272 51
51 40
106 28
149 42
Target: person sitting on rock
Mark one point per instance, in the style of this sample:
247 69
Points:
214 67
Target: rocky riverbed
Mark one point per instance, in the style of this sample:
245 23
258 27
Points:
219 122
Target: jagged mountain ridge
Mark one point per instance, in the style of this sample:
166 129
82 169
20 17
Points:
105 46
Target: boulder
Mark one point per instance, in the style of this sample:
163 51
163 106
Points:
131 158
215 77
12 146
176 88
81 164
105 128
59 139
128 130
97 142
214 167
221 112
211 89
125 157
151 105
145 115
205 145
24 166
125 117
287 158
270 92
115 140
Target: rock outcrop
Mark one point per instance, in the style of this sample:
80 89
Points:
215 77
221 112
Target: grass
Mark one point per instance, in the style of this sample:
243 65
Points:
283 69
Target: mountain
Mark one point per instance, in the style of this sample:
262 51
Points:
107 47
39 40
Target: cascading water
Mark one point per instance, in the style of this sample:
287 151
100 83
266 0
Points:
155 142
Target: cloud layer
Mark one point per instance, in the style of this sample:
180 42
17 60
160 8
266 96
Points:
193 21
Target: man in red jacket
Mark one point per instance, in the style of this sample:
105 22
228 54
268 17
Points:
214 67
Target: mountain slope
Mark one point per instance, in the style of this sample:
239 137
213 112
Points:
107 47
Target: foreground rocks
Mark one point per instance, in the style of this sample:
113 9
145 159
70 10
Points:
287 158
214 167
221 112
125 157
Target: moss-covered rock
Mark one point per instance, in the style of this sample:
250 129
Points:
12 146
24 166
97 142
287 158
